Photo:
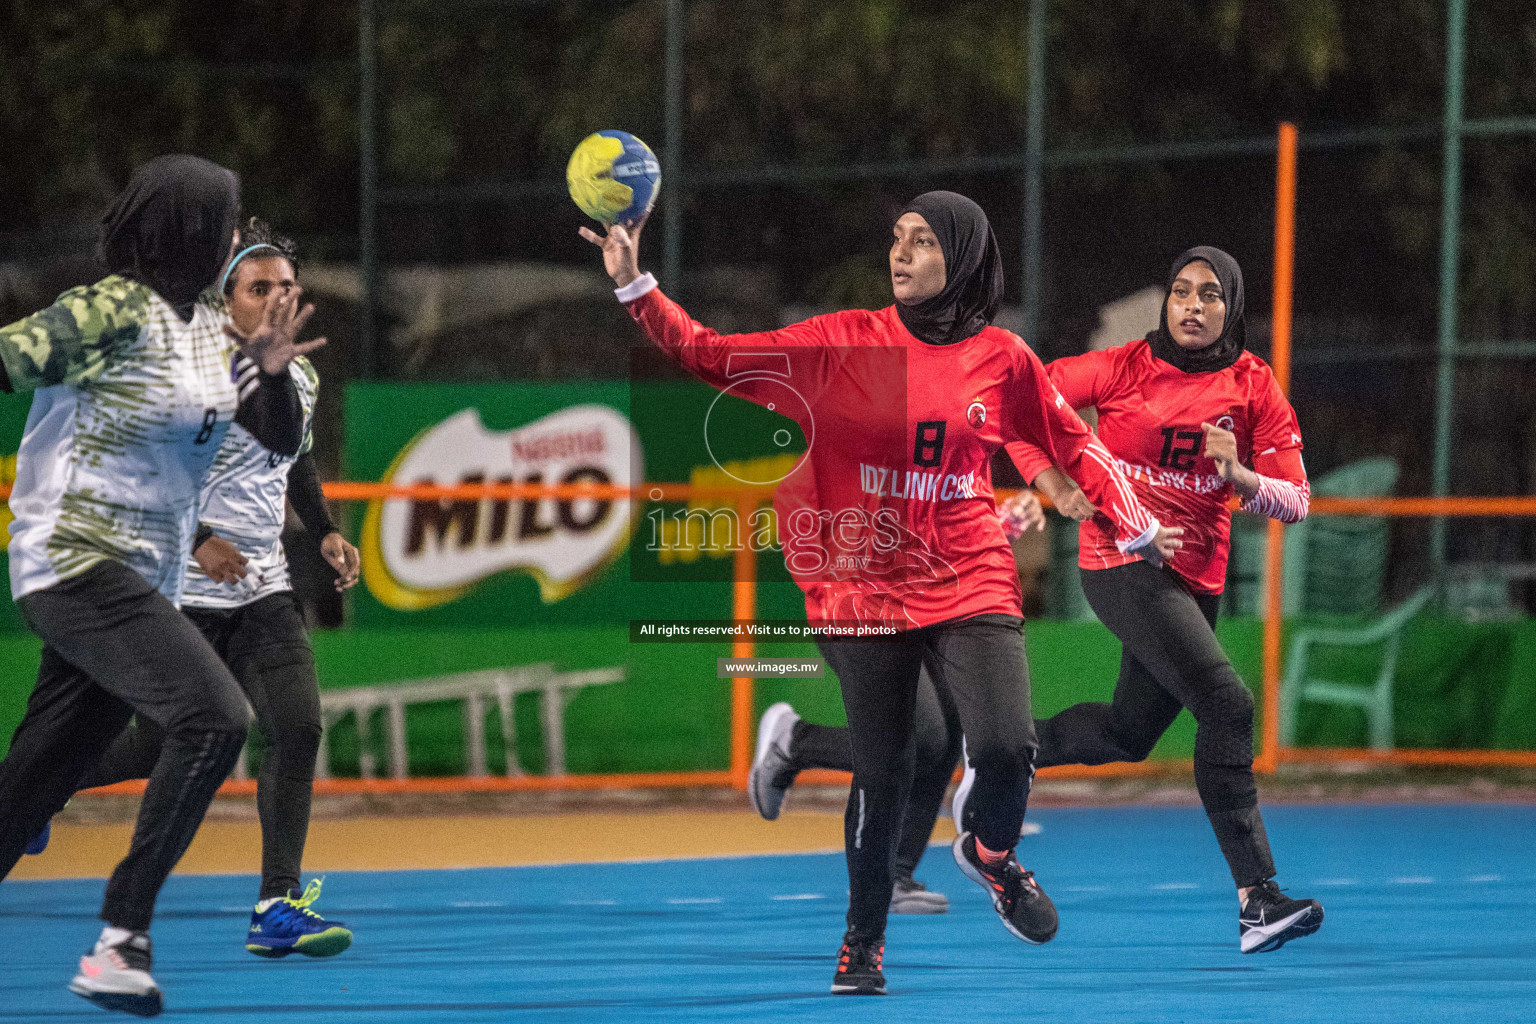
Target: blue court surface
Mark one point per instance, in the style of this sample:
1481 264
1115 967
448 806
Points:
1431 917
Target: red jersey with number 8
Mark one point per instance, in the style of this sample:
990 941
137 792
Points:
1150 417
890 517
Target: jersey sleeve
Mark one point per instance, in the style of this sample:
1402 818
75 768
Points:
1081 379
308 498
274 413
1041 416
1029 459
308 382
1274 421
304 491
75 339
749 364
1284 492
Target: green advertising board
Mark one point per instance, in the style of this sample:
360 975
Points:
446 563
624 578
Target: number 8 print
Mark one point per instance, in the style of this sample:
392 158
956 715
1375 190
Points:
210 420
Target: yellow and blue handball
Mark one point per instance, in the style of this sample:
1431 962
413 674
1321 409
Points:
613 177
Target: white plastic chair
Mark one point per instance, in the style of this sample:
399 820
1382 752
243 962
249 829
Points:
1375 699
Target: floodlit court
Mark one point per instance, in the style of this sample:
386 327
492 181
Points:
484 485
1428 919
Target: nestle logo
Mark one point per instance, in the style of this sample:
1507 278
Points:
559 446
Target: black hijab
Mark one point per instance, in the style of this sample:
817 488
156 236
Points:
973 271
171 227
1222 352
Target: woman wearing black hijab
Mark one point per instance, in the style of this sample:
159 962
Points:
134 387
889 527
1196 419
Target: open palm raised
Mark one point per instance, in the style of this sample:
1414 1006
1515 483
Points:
272 346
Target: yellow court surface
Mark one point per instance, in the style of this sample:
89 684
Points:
386 843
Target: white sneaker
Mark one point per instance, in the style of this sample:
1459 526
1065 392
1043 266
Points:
773 770
962 791
117 977
909 896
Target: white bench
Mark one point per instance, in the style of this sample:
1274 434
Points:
476 690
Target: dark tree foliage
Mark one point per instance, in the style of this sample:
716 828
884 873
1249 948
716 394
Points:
482 90
476 91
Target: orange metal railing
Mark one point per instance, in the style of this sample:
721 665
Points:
744 601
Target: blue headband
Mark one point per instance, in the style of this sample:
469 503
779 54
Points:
242 254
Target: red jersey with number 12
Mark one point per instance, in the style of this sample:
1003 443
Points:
1150 416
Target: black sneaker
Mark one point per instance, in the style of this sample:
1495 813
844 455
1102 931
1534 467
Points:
909 896
1018 899
858 966
117 977
1269 919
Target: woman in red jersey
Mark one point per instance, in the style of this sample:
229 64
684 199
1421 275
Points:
902 409
1192 419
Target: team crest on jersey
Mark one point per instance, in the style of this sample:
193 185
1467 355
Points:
976 415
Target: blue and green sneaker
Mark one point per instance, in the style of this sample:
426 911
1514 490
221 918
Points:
285 924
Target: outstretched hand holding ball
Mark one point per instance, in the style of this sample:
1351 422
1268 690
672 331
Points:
621 250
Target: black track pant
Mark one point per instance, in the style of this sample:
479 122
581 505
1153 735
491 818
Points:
113 647
1171 660
265 646
980 662
936 723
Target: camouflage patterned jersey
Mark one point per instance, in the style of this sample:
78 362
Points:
245 501
129 408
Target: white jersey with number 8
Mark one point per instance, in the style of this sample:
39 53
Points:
245 501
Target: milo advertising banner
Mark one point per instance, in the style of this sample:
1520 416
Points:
530 561
420 554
